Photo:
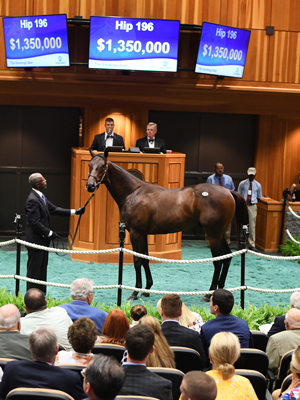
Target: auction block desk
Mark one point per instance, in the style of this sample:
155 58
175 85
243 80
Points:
268 223
99 226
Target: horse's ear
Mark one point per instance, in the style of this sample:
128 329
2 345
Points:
91 152
106 152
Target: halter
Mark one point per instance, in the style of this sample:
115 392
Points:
98 182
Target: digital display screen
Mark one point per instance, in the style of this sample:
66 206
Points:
133 44
222 50
39 41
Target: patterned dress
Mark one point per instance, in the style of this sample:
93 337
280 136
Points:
72 357
293 394
235 388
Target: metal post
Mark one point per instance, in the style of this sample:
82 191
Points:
285 195
122 234
18 224
244 233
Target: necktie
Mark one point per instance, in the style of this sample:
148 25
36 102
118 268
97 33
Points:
249 194
44 198
109 137
151 140
220 182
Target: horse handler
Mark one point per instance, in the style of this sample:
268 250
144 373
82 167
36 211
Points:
38 210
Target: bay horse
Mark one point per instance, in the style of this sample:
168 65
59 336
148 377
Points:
147 208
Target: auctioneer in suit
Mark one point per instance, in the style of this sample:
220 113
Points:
99 142
142 143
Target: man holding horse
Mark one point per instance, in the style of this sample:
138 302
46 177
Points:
108 138
150 140
38 210
219 178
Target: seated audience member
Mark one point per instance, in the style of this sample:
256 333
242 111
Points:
162 355
136 313
279 324
82 293
188 318
108 138
12 343
139 380
150 140
40 373
82 336
293 391
39 315
221 304
177 335
103 378
224 350
196 385
287 340
115 328
295 190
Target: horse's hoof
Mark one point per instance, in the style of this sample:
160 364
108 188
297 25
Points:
206 298
145 294
133 296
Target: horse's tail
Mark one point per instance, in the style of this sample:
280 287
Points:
241 213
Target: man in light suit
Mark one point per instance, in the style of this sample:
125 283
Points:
107 138
38 210
13 344
139 380
150 140
177 335
41 373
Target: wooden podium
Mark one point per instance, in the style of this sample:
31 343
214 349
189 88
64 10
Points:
99 226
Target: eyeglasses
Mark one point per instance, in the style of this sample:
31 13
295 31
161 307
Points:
43 180
83 371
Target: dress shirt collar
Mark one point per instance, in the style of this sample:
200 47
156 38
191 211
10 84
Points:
170 320
38 192
111 134
129 363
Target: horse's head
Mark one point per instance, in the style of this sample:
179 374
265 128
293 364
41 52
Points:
97 170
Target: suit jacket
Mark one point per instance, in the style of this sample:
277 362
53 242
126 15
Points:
38 374
178 335
142 143
99 141
14 345
38 218
142 382
278 326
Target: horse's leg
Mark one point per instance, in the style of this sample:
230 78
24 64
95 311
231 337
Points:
226 264
145 262
215 248
137 241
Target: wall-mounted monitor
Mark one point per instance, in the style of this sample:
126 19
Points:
133 44
36 41
222 50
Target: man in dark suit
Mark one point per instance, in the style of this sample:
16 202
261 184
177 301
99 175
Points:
139 380
279 324
38 210
221 304
107 138
40 373
150 140
103 378
12 343
177 335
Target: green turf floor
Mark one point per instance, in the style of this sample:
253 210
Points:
261 273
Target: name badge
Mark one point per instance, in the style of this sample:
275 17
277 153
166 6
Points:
249 192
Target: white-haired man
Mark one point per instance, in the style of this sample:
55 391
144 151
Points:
41 373
282 342
12 343
279 324
82 293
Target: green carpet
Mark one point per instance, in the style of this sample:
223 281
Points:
260 272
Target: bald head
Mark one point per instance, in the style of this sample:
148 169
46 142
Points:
292 319
9 318
34 300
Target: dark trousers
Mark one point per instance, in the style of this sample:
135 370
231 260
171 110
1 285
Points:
37 267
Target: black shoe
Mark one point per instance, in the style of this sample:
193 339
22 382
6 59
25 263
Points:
253 248
206 298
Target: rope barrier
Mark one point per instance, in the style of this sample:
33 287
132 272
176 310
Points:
163 260
291 237
293 212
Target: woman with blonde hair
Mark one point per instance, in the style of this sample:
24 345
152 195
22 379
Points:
162 356
293 391
188 318
295 190
224 350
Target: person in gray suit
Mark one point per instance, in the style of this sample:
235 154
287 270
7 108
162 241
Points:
12 343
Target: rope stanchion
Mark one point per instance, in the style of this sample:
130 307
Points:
291 237
293 212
